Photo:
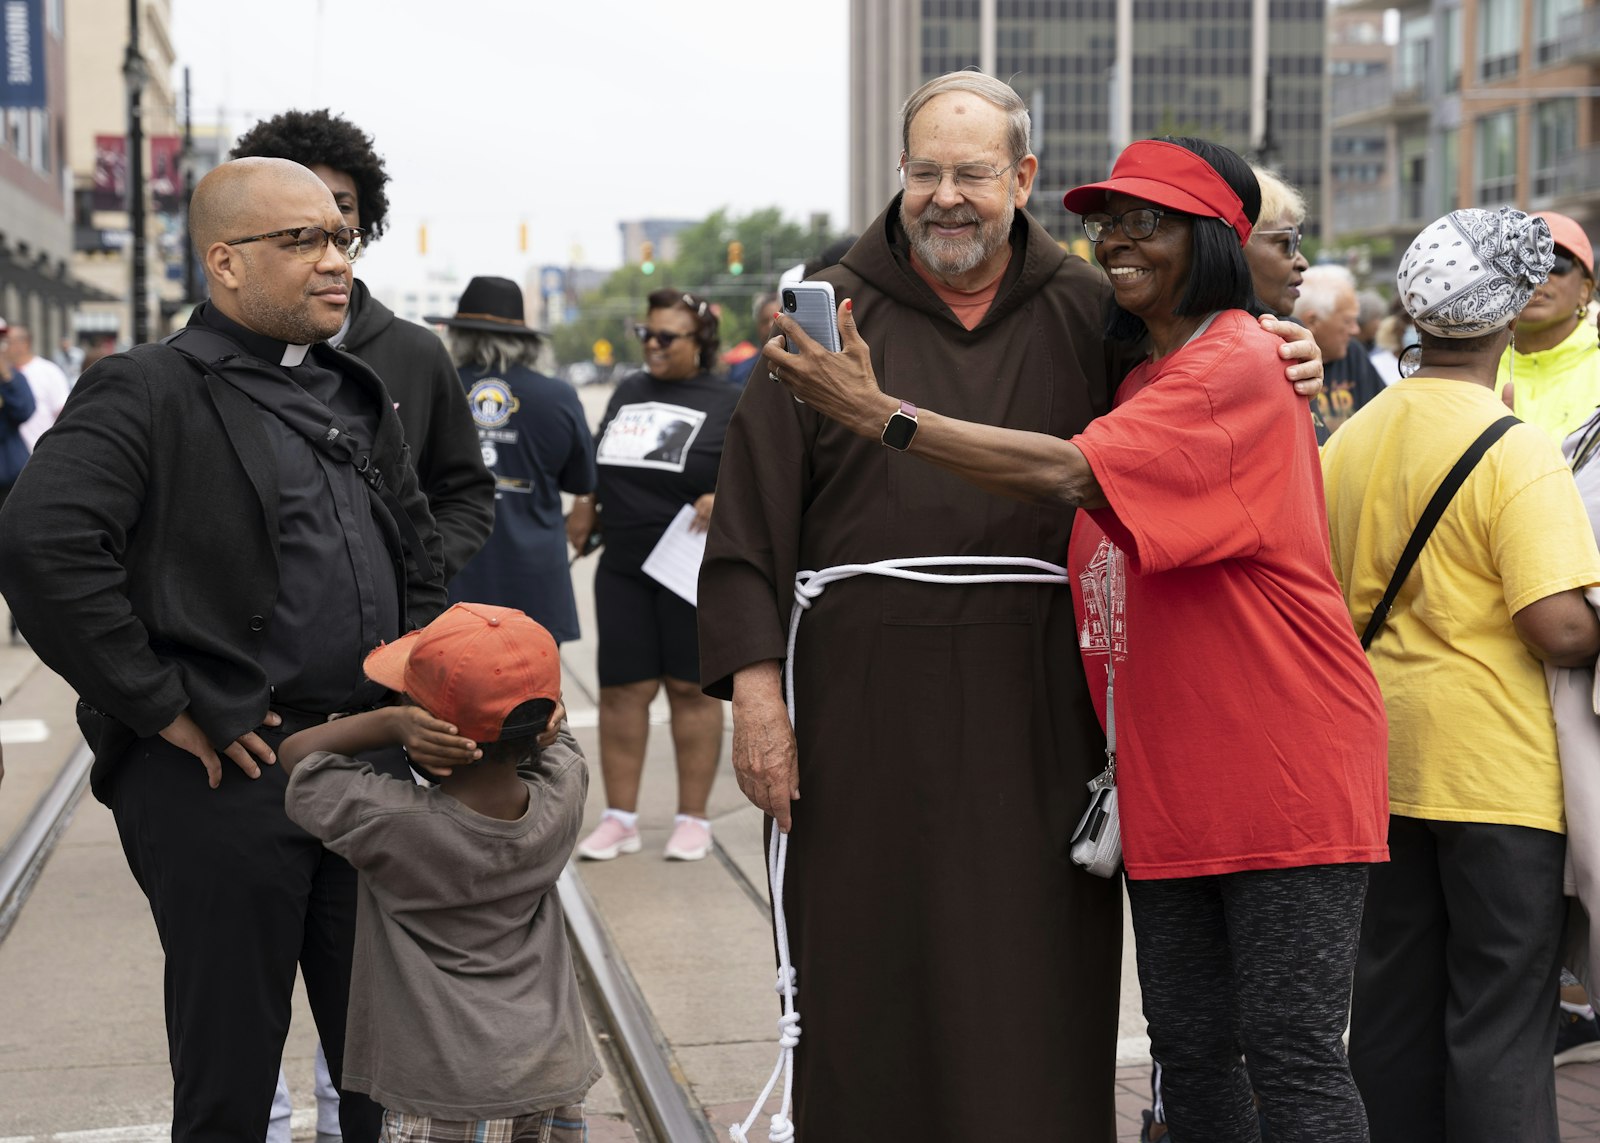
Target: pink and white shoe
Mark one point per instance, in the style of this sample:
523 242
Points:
609 839
690 840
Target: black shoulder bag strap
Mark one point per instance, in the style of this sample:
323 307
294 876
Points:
332 439
1442 496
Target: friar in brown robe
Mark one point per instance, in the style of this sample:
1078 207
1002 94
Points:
958 976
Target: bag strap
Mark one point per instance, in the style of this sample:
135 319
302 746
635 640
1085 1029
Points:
332 441
1431 515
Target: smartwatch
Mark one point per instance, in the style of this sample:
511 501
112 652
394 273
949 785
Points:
901 428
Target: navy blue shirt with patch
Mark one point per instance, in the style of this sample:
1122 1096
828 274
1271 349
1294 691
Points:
536 443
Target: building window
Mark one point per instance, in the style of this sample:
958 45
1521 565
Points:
1416 43
1499 38
39 139
1449 170
1494 160
1555 133
1547 19
1451 47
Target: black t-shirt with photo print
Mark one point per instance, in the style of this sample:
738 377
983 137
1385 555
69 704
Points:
658 449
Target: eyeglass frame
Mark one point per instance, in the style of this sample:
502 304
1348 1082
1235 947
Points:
1294 246
988 181
646 335
1114 222
328 239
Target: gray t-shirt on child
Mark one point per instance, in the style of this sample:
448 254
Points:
464 1004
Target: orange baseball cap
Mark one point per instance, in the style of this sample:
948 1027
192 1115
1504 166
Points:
473 666
1570 236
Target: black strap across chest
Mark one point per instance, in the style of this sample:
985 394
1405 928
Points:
1431 515
313 420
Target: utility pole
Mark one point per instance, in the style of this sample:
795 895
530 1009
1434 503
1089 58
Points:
191 287
134 73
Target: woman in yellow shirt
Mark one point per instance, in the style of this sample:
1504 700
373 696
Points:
1551 374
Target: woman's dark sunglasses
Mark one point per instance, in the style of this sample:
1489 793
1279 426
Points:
663 338
1563 265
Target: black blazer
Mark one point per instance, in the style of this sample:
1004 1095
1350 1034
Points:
141 542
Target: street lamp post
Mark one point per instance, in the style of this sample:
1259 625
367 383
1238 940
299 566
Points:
135 74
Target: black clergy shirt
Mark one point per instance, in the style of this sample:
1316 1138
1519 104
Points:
338 596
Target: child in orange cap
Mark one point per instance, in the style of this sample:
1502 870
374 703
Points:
464 1019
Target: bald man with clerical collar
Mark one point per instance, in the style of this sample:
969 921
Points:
233 524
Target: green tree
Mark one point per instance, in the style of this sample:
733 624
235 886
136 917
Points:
771 245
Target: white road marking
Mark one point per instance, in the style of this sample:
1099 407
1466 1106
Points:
300 1123
18 730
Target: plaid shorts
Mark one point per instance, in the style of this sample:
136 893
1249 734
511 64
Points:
558 1125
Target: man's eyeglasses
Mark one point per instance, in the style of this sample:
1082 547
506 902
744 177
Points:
311 241
1136 225
1289 239
664 338
921 176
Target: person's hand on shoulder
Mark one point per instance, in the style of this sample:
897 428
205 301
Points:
1301 348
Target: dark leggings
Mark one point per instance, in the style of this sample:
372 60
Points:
1246 980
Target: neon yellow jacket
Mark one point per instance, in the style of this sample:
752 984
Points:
1558 389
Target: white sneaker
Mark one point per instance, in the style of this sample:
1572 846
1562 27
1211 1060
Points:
609 839
690 840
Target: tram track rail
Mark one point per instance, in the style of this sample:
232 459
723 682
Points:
656 1098
25 855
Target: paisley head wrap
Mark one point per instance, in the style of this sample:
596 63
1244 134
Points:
1472 271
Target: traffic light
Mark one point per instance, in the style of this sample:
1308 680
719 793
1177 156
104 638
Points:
647 257
522 237
736 258
422 238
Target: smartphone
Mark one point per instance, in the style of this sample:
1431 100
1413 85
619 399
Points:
811 304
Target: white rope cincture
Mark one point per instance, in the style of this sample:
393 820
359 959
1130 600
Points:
808 585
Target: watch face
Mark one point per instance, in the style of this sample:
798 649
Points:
898 432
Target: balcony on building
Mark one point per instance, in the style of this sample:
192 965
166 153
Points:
1383 97
1578 42
1395 212
1569 185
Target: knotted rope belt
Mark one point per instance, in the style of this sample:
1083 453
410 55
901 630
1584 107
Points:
808 585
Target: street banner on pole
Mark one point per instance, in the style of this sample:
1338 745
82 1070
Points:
166 173
110 172
22 71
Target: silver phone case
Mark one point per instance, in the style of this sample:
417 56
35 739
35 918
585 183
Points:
815 311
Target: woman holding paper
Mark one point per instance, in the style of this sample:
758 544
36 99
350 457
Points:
659 447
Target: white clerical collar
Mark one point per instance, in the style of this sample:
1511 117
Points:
294 354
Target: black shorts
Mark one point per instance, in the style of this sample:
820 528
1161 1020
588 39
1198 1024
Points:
646 631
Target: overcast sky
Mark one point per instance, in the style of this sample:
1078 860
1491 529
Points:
572 115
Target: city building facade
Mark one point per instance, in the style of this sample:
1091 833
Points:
37 288
1483 103
96 151
1096 75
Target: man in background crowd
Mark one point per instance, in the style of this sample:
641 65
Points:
1328 307
50 386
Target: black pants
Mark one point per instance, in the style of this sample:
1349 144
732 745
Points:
1453 1026
1246 981
240 895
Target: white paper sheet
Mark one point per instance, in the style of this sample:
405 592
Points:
674 563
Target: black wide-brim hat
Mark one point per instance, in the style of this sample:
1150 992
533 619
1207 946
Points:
493 305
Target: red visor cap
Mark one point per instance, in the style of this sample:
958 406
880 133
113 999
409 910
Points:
1167 175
